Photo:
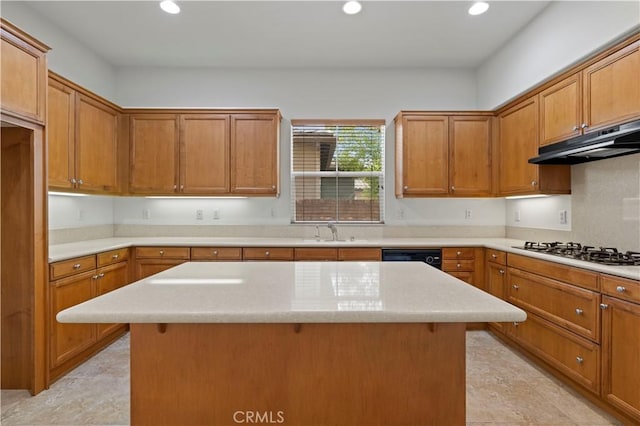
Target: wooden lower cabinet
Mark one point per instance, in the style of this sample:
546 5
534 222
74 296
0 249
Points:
111 278
621 355
576 357
495 283
316 254
360 254
151 260
465 263
267 253
68 340
212 254
148 267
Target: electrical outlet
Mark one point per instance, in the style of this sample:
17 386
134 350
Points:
517 215
563 217
468 214
199 215
80 214
401 214
146 214
216 214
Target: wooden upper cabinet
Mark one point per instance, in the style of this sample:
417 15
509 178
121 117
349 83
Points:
82 133
204 154
61 135
96 145
612 89
153 144
254 154
422 155
470 140
561 110
518 127
23 72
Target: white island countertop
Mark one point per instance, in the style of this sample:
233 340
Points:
295 292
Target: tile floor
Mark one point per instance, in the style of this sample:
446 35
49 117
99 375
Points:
502 389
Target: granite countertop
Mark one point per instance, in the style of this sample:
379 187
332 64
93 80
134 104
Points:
295 292
83 248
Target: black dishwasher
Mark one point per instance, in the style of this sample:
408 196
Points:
432 257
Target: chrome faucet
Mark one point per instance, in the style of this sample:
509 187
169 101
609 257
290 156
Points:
334 229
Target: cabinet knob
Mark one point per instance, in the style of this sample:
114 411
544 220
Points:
579 360
266 253
115 256
76 266
215 252
175 187
101 274
80 182
584 125
458 266
182 188
161 252
579 311
273 187
515 286
603 306
515 324
534 183
73 181
493 255
620 289
502 271
458 253
94 277
453 188
575 128
406 187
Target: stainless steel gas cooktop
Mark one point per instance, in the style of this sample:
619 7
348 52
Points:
601 255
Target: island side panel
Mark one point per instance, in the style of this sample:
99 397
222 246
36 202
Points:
311 374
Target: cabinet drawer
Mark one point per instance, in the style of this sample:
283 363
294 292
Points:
496 256
463 276
458 265
458 253
360 253
575 276
216 253
574 356
113 256
71 266
309 253
568 306
621 288
162 252
267 253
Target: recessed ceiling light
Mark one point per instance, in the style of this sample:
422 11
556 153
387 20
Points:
352 7
478 8
170 6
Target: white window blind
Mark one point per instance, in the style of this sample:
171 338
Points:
337 171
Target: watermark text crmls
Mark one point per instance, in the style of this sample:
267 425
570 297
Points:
258 417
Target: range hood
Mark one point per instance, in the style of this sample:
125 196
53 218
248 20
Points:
607 143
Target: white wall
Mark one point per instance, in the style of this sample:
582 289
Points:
68 56
542 213
79 212
560 36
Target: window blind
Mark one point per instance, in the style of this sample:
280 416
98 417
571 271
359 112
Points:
337 171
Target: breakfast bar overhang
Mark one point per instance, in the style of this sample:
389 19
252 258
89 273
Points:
313 343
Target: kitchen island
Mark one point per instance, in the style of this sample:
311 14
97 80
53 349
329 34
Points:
313 343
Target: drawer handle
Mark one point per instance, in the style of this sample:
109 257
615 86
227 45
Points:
458 253
266 253
502 271
115 256
458 266
620 289
76 266
495 256
215 252
603 306
579 311
579 360
515 286
161 252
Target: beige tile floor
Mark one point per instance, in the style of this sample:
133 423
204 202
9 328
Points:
502 389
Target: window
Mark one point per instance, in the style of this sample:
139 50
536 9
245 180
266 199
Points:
337 171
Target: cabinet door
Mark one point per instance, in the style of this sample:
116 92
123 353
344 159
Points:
96 145
621 346
204 154
61 135
70 339
360 254
518 143
254 154
24 74
495 285
153 154
425 154
147 267
470 156
612 89
561 110
110 278
316 254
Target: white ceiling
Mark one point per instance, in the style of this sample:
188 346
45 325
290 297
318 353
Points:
284 34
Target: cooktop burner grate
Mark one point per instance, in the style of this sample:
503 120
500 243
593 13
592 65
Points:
602 255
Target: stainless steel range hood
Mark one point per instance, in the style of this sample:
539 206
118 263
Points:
607 143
